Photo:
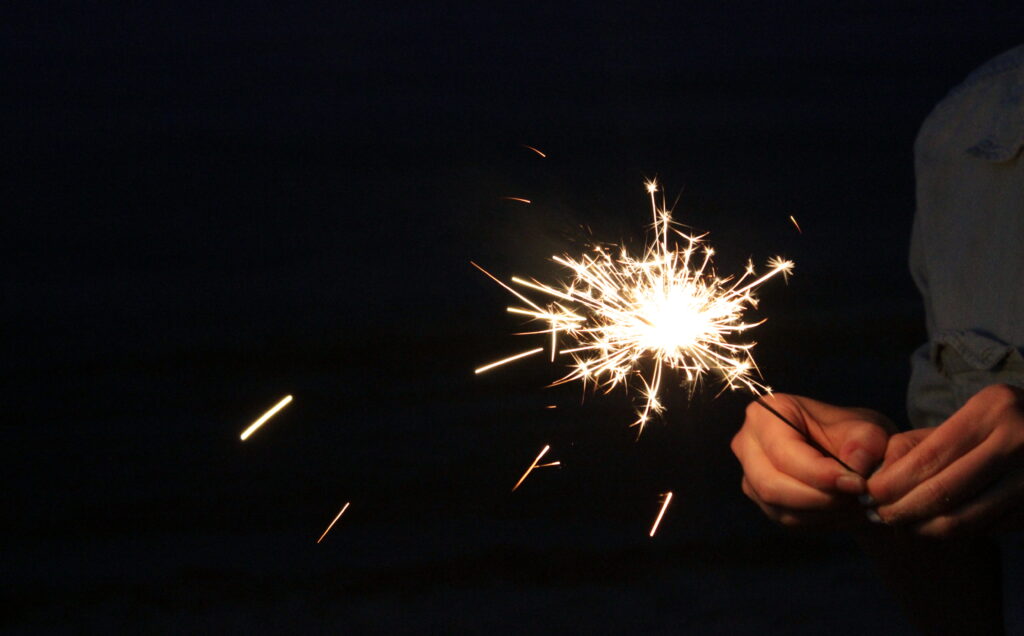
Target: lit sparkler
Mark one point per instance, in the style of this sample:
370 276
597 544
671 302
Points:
628 319
266 416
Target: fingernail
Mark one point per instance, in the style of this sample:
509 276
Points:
873 516
867 500
850 483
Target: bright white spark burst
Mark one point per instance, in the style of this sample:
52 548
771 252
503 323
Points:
630 318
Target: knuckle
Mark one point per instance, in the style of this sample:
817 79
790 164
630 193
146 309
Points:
938 494
1000 395
928 460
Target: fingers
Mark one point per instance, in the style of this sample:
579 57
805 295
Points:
775 487
926 459
993 507
902 443
941 492
837 516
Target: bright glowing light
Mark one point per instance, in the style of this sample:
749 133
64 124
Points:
519 199
629 318
795 224
338 516
664 506
536 465
509 359
535 150
266 416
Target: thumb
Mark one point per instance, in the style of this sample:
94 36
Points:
861 444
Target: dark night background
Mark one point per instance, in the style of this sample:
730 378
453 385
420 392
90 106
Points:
209 206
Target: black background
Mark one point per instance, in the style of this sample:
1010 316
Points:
210 206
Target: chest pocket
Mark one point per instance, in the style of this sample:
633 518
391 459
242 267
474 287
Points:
971 361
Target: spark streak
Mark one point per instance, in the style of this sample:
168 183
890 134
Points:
632 318
535 150
795 224
664 506
506 360
535 465
519 199
266 416
341 512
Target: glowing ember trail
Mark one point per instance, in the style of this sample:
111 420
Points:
343 509
664 506
535 150
535 465
795 224
507 360
266 416
519 199
628 319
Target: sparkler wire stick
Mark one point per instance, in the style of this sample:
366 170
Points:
810 441
266 416
338 516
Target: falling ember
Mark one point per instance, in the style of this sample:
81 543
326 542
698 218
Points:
795 224
338 516
665 505
536 465
628 319
535 150
266 416
507 360
519 199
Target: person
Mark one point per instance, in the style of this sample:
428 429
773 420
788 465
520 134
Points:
940 505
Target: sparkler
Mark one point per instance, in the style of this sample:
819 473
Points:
266 416
630 319
661 513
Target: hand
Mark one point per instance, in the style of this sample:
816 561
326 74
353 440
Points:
793 483
961 477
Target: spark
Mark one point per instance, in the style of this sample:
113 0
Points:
338 516
664 506
266 416
535 150
509 359
795 224
630 320
519 199
535 465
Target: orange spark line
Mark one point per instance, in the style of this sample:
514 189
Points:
532 466
535 150
795 224
343 509
509 359
520 199
266 416
668 498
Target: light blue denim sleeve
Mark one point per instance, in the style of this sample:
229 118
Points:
967 246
